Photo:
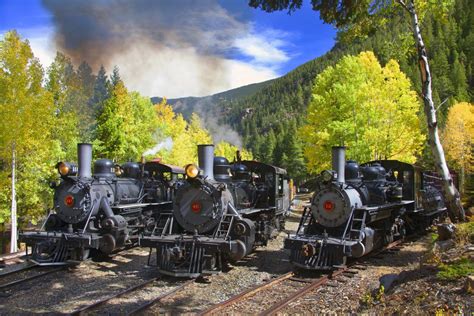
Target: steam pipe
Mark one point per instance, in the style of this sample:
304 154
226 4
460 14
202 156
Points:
339 162
84 160
206 160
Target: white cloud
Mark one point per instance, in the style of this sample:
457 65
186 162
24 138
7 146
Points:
265 48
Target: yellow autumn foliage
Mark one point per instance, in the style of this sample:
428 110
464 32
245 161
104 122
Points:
458 136
366 107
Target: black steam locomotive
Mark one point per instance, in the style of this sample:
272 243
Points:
219 215
356 209
103 211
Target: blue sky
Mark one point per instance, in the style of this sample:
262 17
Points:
213 46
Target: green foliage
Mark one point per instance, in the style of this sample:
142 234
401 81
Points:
27 113
458 269
367 107
227 150
465 233
185 137
125 126
285 99
101 91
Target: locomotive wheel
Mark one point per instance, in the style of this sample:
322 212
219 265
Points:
81 254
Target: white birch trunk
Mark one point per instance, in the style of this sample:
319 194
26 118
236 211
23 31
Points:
451 194
13 239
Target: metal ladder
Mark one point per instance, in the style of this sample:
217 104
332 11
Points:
306 220
165 222
357 224
223 229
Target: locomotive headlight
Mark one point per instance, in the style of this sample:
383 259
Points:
66 168
327 175
192 171
63 168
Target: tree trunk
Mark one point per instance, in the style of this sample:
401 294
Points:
451 194
13 239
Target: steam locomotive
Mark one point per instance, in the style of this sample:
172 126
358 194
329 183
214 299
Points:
356 209
103 211
220 214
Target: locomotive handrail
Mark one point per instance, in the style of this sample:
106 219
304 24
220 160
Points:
46 220
89 217
347 226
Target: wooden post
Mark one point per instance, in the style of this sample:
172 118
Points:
13 238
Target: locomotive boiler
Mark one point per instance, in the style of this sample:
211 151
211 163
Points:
356 209
101 211
220 214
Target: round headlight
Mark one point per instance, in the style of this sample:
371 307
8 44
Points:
192 171
63 169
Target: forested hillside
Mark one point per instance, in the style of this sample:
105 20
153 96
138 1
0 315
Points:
269 119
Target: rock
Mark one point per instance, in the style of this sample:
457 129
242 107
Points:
444 245
446 231
387 280
469 284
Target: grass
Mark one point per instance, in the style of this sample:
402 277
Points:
458 269
465 232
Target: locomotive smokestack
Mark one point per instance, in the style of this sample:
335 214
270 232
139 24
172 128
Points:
339 162
206 160
84 160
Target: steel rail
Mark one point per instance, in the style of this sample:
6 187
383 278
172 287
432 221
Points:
308 288
28 267
241 296
13 283
159 298
294 296
81 310
314 285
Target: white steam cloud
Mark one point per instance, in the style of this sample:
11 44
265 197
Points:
166 144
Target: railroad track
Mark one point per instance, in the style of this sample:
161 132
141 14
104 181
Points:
21 278
106 303
274 295
271 296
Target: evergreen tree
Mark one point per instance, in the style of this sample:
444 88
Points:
113 124
101 91
115 77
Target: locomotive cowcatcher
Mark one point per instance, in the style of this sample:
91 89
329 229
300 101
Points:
101 212
220 214
356 209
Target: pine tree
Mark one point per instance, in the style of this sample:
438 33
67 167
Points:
113 124
101 91
115 77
